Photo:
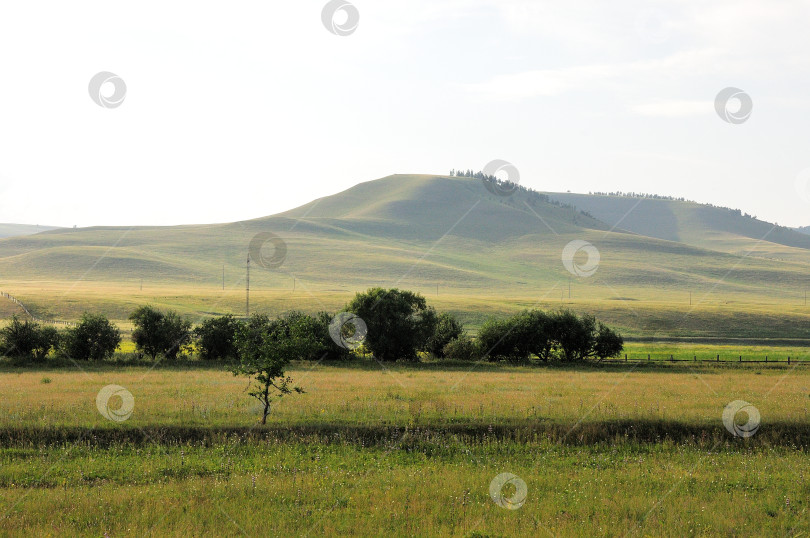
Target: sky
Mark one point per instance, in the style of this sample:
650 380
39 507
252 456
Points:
244 109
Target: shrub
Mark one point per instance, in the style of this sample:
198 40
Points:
608 343
503 339
447 328
216 338
27 339
327 349
581 337
94 338
565 334
156 332
462 347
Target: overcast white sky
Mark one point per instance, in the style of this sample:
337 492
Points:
237 110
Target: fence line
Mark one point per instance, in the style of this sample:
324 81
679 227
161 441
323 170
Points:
736 359
28 312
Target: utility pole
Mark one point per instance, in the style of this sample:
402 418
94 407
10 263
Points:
293 283
569 288
247 289
141 284
223 277
690 298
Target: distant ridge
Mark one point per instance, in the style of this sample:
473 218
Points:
700 225
12 230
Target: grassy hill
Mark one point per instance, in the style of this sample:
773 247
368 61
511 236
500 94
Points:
468 250
11 230
694 224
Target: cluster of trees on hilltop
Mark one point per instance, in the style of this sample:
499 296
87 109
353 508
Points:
533 197
641 195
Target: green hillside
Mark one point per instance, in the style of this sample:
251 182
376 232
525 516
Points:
449 238
694 224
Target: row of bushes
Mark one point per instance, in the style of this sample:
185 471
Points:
94 337
559 335
395 325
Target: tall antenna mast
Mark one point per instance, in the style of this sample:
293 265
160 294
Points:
247 289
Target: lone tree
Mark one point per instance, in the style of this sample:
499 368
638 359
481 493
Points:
399 322
94 338
157 332
265 348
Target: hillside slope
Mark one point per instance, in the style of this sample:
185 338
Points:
694 224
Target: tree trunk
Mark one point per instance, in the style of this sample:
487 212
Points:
266 403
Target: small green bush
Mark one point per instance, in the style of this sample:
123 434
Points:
462 347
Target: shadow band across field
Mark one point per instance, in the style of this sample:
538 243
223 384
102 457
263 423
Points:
792 435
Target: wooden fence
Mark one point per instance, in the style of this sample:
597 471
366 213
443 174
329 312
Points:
640 359
29 314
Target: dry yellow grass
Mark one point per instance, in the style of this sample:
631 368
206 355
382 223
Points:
371 394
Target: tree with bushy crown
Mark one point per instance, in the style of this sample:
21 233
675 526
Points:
216 337
399 322
93 338
27 339
157 332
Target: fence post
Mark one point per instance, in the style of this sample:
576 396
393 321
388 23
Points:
670 358
648 356
625 357
740 358
718 357
766 358
788 360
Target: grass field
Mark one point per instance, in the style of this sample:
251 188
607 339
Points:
406 450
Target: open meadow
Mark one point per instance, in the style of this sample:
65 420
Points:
404 450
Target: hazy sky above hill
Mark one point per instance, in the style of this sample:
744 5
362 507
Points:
244 109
